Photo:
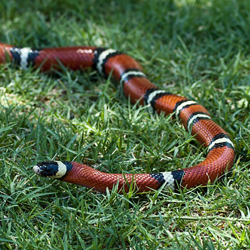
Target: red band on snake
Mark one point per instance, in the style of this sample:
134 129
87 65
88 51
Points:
126 71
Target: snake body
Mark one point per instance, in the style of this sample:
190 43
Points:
126 71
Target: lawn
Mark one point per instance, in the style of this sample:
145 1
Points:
196 48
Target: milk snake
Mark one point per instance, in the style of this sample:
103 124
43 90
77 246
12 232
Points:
127 72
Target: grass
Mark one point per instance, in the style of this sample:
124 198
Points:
199 49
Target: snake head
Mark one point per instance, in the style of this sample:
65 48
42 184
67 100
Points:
54 169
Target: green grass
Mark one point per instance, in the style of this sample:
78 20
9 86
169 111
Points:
197 48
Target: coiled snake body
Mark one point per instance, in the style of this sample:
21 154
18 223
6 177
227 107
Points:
135 84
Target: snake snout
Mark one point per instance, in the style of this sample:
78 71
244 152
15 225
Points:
36 169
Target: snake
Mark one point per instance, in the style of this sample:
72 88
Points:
128 73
